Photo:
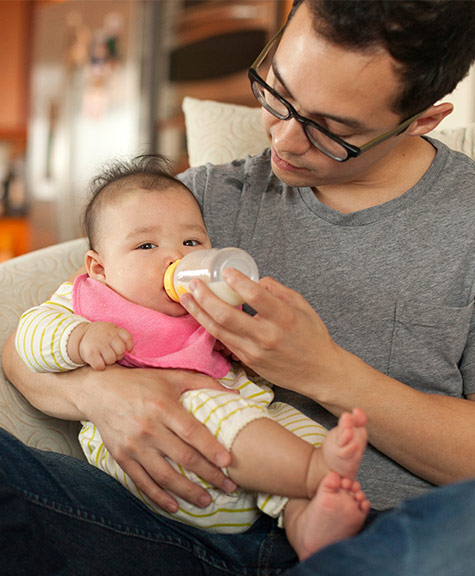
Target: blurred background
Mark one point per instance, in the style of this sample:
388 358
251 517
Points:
84 81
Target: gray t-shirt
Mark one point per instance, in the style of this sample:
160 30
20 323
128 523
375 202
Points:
394 283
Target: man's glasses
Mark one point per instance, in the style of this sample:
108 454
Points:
320 137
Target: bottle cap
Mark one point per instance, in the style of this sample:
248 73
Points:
168 281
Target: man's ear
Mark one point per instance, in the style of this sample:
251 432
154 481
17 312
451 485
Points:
94 266
431 118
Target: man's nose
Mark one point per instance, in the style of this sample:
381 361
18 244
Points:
289 136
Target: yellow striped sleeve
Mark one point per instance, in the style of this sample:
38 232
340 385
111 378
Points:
43 332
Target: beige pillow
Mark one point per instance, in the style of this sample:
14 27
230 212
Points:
218 133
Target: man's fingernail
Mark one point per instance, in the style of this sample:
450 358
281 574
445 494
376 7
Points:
204 500
229 485
222 459
185 300
172 507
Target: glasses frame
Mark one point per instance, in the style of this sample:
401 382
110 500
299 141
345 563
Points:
352 150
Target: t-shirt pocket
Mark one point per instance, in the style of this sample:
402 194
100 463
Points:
427 344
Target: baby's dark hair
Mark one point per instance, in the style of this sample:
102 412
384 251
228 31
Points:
147 171
432 41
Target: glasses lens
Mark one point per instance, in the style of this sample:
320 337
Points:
270 102
277 106
325 144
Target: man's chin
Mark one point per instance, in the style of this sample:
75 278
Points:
294 179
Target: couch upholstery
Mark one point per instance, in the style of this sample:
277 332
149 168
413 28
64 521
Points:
216 133
25 281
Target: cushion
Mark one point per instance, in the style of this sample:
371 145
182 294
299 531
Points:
24 282
219 133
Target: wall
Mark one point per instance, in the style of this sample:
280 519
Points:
463 99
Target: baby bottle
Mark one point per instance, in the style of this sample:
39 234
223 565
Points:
208 265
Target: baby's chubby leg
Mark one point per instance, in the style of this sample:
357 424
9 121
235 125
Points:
268 458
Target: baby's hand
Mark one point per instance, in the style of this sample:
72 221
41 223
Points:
99 344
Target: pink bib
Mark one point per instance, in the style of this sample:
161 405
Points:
160 341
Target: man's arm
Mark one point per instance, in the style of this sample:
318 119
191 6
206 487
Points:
287 343
140 420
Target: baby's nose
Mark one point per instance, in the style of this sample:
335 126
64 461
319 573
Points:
174 257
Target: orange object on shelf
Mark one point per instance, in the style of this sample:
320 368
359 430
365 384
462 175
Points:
14 237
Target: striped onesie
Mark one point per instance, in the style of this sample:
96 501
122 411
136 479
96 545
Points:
41 341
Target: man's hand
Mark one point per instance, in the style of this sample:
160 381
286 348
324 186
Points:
279 342
141 421
98 344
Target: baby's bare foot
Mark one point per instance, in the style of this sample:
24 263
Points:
337 511
345 444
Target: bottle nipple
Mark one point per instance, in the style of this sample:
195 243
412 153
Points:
168 281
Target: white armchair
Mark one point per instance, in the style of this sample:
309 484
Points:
25 281
216 133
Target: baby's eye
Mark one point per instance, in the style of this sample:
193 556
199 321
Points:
191 243
147 246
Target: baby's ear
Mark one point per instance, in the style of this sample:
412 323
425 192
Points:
94 266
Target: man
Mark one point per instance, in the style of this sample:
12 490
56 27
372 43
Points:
371 242
373 225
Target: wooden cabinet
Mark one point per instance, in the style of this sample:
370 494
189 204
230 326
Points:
15 24
15 35
14 237
204 51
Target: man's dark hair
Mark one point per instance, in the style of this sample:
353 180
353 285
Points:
433 41
147 171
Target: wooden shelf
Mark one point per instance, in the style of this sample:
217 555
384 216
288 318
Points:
14 237
206 56
16 139
16 18
13 133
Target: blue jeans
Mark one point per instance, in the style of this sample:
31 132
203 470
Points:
426 536
61 516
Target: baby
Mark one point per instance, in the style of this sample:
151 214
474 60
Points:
139 220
